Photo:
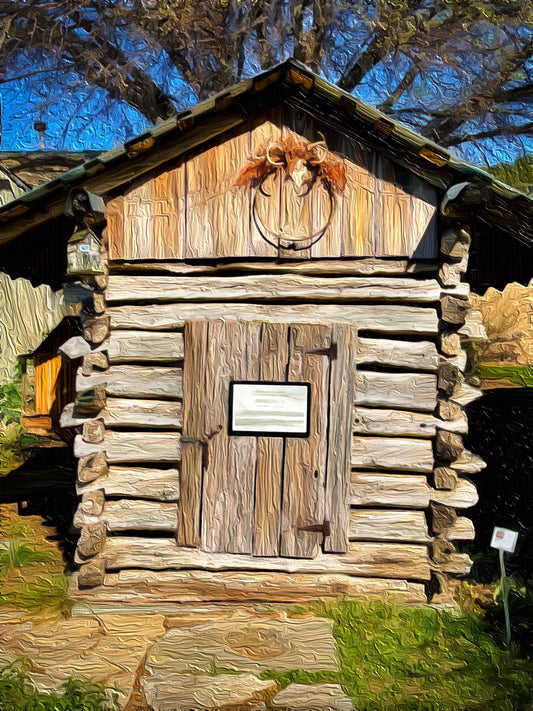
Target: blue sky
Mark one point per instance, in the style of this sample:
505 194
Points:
82 117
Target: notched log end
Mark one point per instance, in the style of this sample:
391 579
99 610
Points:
92 467
91 574
441 517
91 541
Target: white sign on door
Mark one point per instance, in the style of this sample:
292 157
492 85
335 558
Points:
270 409
504 539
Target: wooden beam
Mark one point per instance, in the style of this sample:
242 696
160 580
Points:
397 490
138 482
144 346
415 455
413 355
386 525
462 497
130 447
380 560
91 466
378 318
132 515
462 530
402 423
407 491
448 446
135 381
468 463
271 287
126 412
224 586
363 267
410 391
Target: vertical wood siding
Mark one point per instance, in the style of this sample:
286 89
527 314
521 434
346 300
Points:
195 210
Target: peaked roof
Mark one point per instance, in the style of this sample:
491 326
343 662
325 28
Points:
295 86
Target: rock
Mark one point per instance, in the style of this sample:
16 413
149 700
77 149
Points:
123 684
169 691
59 644
318 697
126 654
125 625
246 645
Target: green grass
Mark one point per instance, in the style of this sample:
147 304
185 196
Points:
418 659
17 693
48 593
19 555
521 375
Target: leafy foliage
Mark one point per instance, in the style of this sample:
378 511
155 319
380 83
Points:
17 693
519 173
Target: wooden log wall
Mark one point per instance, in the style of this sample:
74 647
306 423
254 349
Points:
410 473
408 486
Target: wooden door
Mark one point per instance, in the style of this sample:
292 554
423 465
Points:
261 494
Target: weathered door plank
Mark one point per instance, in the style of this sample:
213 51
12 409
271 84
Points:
195 338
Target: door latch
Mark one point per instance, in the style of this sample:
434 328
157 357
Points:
330 352
204 443
324 528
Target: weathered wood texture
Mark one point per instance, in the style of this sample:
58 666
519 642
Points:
132 346
412 391
181 214
402 423
407 491
131 586
194 434
160 347
380 318
399 453
380 560
388 525
132 515
269 287
414 355
129 412
135 381
461 530
138 482
361 267
129 447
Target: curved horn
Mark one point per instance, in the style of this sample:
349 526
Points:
321 145
269 148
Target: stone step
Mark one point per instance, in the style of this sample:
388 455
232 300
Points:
318 697
182 692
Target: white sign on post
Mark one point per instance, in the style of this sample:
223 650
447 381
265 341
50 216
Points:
504 539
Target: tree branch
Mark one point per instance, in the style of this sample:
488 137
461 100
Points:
99 61
525 129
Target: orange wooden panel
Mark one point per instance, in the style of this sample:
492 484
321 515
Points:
46 380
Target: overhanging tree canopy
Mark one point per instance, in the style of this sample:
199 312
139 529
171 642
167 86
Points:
458 71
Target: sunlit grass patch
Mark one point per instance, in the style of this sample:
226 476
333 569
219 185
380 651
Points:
15 554
421 659
47 593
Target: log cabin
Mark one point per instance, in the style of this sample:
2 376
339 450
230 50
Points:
270 400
